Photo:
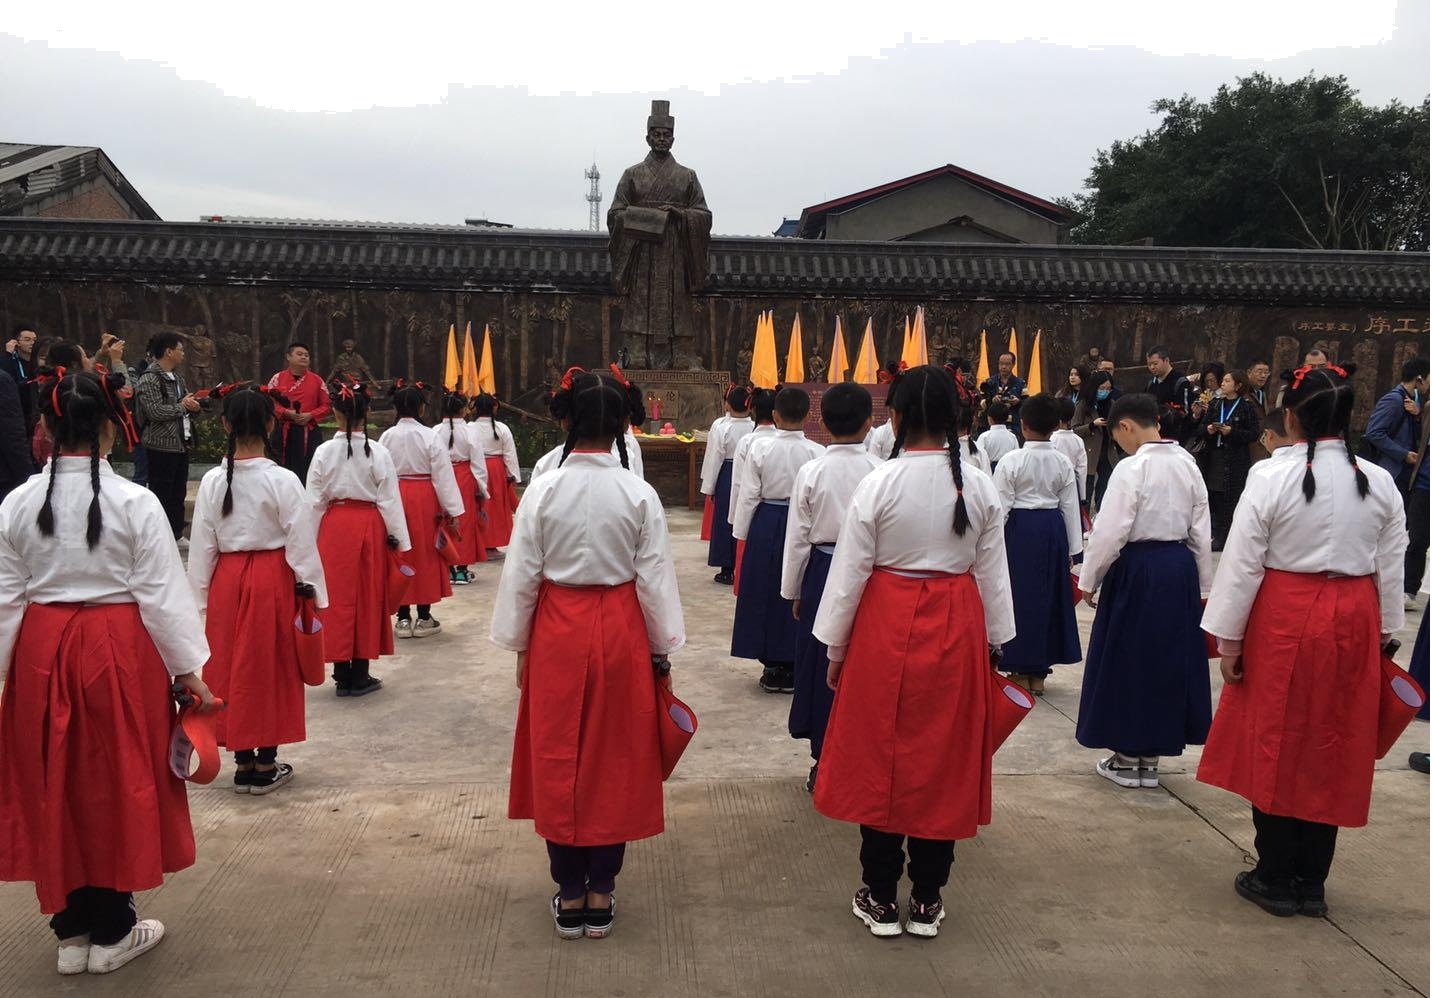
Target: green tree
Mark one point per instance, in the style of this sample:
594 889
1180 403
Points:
1265 163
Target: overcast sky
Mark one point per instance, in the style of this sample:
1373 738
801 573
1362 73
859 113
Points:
414 112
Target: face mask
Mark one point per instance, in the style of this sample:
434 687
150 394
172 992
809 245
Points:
1102 393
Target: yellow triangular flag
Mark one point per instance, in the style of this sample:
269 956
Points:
839 362
1036 375
763 356
919 335
982 365
452 369
486 376
469 363
1014 349
795 355
867 367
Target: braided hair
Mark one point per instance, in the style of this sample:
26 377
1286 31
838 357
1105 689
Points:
1322 399
763 405
248 413
486 405
351 398
636 404
409 400
454 405
599 409
75 406
559 402
927 403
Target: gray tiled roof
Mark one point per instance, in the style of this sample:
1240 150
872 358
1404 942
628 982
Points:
391 256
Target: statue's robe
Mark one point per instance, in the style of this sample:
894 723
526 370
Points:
659 259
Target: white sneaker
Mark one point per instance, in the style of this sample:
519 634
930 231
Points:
1410 603
426 627
1120 769
141 939
404 629
1149 771
183 543
74 955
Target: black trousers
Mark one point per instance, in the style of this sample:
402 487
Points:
102 913
1416 564
578 870
1293 849
265 756
1102 472
296 448
169 480
882 860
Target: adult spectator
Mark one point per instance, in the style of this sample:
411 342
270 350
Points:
1091 423
1258 373
165 409
1174 394
21 363
1315 359
15 459
1397 432
1077 386
1006 389
1227 427
297 434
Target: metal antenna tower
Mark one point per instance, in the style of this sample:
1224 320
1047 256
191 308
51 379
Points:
594 198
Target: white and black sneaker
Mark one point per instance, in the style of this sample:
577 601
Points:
925 918
598 922
426 627
570 922
881 919
1149 772
267 781
1120 769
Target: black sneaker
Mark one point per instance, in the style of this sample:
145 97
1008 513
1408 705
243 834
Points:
771 681
724 579
1273 900
810 780
1418 761
1312 901
268 782
787 679
598 921
570 922
362 687
243 780
881 919
925 918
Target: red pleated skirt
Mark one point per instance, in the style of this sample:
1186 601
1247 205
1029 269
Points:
1298 736
431 582
86 796
498 531
586 760
253 662
472 548
910 738
353 543
708 512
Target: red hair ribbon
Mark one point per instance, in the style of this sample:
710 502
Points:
345 390
570 376
279 397
59 375
1340 372
621 378
1307 369
420 386
223 390
117 409
399 384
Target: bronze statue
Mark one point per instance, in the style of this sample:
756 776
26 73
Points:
660 234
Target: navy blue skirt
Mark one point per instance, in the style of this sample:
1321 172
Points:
764 628
1146 686
1046 632
722 553
810 707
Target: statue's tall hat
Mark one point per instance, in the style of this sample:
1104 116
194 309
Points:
660 116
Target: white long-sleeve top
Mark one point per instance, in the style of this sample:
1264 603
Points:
418 453
271 511
1156 494
1039 477
996 442
550 461
902 517
738 464
497 441
135 560
634 462
880 441
335 475
1338 532
979 459
1068 443
770 473
460 441
589 523
726 433
546 463
819 499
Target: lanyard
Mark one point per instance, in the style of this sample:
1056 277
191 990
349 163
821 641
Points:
1225 412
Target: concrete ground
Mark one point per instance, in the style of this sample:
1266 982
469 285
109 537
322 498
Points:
388 866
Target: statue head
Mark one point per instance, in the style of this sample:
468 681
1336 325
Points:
660 128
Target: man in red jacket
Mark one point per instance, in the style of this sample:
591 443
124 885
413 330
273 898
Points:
297 435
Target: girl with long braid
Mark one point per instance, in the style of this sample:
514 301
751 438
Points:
470 469
430 494
717 469
588 601
918 591
96 621
559 406
253 553
1308 591
503 471
354 489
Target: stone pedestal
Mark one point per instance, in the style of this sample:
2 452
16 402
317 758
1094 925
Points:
690 400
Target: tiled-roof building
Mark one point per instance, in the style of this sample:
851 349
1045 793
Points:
66 182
